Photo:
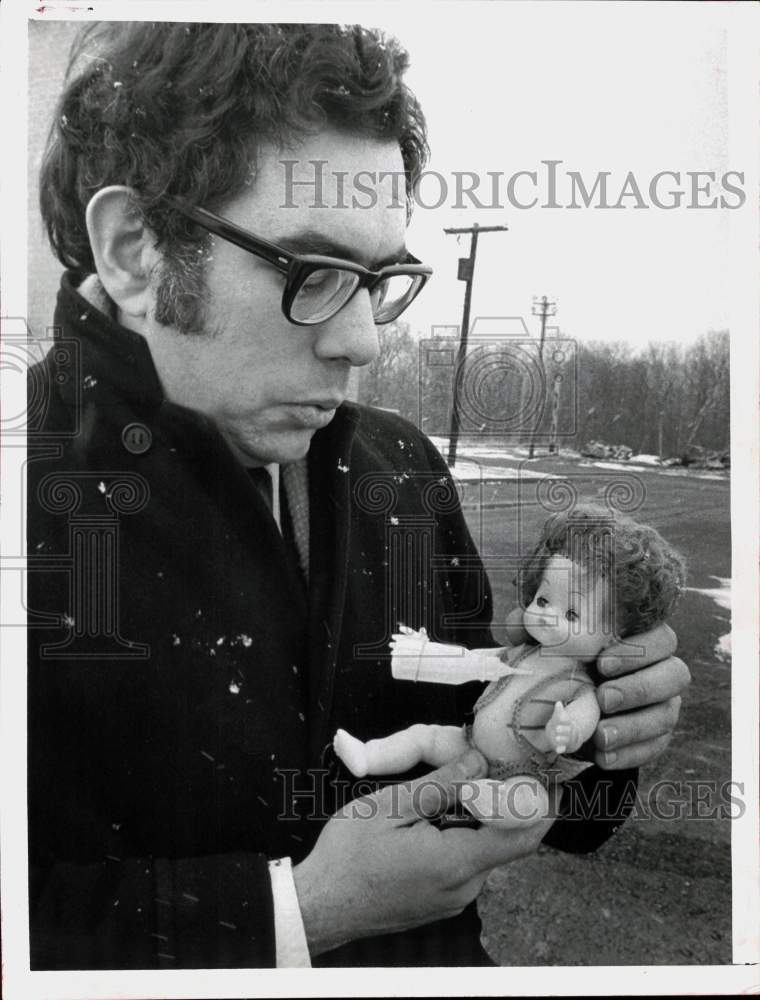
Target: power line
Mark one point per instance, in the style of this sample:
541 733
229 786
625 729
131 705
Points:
542 307
466 273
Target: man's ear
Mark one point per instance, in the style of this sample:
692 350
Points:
123 248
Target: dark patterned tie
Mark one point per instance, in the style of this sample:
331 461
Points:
263 482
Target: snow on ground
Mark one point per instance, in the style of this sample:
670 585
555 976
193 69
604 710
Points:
674 470
466 471
722 597
481 450
723 647
472 468
519 453
721 594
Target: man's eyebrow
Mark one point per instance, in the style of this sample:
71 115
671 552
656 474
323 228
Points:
312 241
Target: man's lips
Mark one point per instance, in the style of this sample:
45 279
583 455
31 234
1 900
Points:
312 414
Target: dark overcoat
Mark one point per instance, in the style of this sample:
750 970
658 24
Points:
185 683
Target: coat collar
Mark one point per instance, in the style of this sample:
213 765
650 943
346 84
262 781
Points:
110 355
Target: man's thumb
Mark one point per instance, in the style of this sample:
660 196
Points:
434 793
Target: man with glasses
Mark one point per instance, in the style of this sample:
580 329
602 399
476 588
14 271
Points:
185 683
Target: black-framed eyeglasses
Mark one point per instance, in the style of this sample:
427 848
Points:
317 287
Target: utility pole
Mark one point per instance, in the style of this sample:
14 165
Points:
542 307
465 273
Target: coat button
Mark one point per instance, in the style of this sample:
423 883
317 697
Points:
136 438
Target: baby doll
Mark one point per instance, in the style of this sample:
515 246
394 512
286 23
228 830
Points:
593 578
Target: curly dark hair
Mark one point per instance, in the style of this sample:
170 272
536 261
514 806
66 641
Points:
181 109
645 572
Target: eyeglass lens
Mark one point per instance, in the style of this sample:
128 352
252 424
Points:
326 290
322 294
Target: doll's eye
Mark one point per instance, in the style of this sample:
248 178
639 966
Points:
572 616
541 602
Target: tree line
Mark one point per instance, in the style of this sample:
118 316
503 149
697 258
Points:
667 399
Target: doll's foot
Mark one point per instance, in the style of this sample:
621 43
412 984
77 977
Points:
352 752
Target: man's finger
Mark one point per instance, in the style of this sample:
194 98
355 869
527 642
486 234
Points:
633 755
647 686
638 727
433 793
638 651
492 846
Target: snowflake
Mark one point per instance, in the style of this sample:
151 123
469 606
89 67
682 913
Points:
220 640
394 521
89 382
401 444
341 467
234 687
117 84
175 639
455 561
246 640
68 620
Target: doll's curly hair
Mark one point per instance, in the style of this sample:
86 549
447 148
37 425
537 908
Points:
646 573
176 109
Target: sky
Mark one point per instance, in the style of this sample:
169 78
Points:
504 86
614 88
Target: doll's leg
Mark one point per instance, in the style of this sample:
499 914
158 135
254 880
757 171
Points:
394 754
506 804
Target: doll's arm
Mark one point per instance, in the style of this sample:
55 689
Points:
416 658
572 725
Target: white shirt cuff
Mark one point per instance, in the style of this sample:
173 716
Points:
292 951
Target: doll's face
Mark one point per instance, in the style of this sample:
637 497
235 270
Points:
568 612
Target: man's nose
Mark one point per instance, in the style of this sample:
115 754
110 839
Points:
351 334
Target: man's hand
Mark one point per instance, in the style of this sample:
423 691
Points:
646 677
642 694
380 866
